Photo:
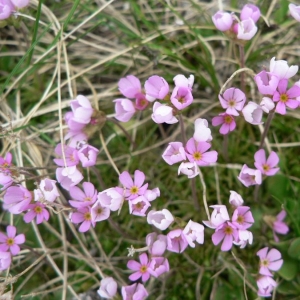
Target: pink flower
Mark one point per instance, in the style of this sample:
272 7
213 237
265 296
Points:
286 97
5 181
163 114
161 219
68 177
157 244
82 110
87 155
151 195
158 266
295 11
265 284
20 3
99 212
141 102
188 168
111 198
138 206
249 176
5 260
108 288
71 155
87 197
177 241
266 166
250 11
269 260
156 87
235 199
244 237
253 113
16 199
181 97
267 104
135 291
194 231
5 163
6 9
232 100
10 241
218 217
246 29
281 69
49 190
130 86
227 233
174 153
124 110
267 82
279 226
197 152
134 188
36 210
242 218
141 269
83 215
182 81
202 132
227 121
222 20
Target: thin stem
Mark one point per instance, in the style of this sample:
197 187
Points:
204 193
267 127
242 60
182 129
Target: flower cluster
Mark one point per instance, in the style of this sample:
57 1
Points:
6 174
155 88
269 261
195 153
9 246
243 29
234 230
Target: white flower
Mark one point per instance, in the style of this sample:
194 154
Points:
282 69
161 219
253 113
202 132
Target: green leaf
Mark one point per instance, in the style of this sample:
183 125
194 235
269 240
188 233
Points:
289 269
294 249
288 288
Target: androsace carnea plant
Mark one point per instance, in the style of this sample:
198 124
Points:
144 142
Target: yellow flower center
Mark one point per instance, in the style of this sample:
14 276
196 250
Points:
134 190
197 155
143 269
227 119
10 241
231 103
264 262
87 216
284 98
228 230
38 209
266 167
240 219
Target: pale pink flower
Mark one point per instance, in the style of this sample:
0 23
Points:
181 97
130 86
177 241
108 288
174 153
157 244
250 11
286 97
16 199
269 260
295 11
202 132
80 198
161 219
235 199
111 198
265 284
11 242
253 113
151 195
82 109
138 206
99 212
244 237
135 291
156 87
87 155
233 100
5 181
74 126
134 188
5 260
218 217
242 218
282 69
197 152
71 156
20 3
181 80
68 177
246 29
227 121
6 9
158 266
76 139
5 163
49 190
250 176
188 168
227 233
267 104
141 268
124 109
36 210
266 166
163 114
267 82
222 20
141 102
194 231
279 226
83 215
